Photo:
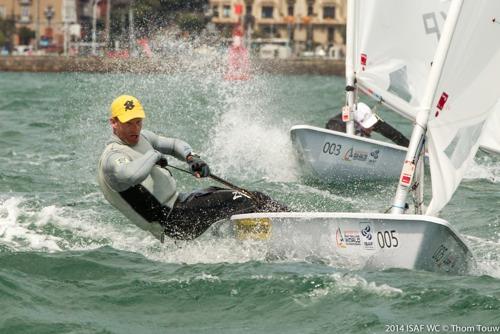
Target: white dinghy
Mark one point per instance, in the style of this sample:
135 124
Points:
460 94
336 156
391 67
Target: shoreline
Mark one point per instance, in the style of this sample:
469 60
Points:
55 64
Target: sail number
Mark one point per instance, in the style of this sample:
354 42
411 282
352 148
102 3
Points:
387 239
332 148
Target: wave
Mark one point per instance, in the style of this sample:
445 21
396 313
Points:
487 255
484 167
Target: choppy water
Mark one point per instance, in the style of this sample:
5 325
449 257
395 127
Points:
70 263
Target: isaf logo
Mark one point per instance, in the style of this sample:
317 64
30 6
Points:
129 105
366 232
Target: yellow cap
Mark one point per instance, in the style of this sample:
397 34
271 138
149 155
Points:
126 107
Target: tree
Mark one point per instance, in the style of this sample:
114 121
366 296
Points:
151 15
7 29
190 22
25 35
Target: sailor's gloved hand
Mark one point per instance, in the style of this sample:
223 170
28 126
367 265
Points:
198 166
162 161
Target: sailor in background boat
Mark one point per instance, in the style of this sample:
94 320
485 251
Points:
367 121
134 178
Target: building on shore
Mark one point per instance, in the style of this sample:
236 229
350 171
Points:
306 26
51 26
83 27
275 28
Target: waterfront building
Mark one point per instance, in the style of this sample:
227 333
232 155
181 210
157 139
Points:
309 27
274 28
50 25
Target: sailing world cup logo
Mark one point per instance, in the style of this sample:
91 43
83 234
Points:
339 238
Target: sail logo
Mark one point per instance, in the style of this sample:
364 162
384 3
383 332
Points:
367 235
431 23
441 103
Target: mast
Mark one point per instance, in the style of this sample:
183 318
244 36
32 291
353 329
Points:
419 130
350 89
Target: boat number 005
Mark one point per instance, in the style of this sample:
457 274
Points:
332 148
387 239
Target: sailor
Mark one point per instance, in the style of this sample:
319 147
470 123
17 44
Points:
366 121
134 178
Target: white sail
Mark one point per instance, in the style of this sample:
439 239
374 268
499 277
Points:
467 91
490 139
394 47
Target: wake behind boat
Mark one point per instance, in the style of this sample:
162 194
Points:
333 156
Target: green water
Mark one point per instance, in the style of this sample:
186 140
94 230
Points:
70 263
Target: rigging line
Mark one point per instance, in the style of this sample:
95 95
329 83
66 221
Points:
245 192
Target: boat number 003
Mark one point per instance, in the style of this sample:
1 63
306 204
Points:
387 239
332 148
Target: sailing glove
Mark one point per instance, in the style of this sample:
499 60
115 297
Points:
198 166
162 161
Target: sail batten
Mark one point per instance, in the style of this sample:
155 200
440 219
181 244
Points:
394 48
490 139
389 100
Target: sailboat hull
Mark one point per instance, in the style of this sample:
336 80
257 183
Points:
332 156
359 240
